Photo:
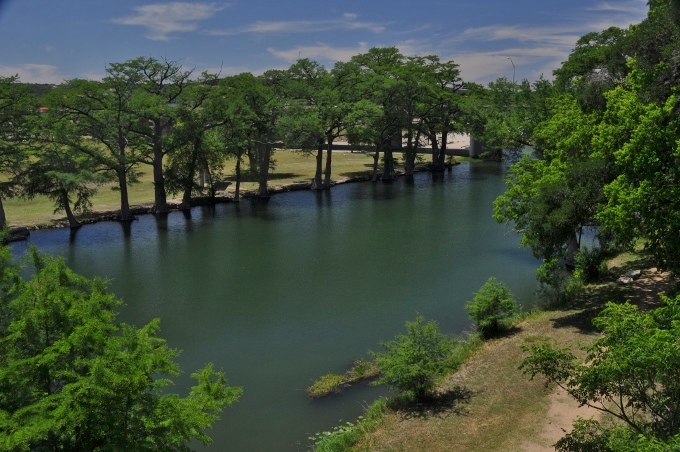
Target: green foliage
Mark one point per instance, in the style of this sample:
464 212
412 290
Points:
587 436
505 114
492 307
16 111
413 361
345 435
598 63
73 379
629 373
591 264
325 385
330 383
558 286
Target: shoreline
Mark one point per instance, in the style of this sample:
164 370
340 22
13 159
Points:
20 233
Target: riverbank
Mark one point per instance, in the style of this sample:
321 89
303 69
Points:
294 171
497 407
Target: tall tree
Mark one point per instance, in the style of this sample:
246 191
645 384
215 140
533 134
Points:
62 173
371 75
263 103
325 110
95 118
195 149
73 379
160 85
553 198
16 108
508 112
598 63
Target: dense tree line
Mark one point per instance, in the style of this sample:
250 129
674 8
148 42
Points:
155 112
606 137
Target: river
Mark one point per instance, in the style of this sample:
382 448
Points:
278 293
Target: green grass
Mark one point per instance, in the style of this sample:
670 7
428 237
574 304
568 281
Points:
334 383
291 167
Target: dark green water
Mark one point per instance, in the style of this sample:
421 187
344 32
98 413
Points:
279 293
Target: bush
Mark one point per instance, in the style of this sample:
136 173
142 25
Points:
558 286
492 307
629 373
590 264
412 362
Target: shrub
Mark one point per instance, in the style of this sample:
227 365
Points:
413 361
590 264
492 307
558 286
630 373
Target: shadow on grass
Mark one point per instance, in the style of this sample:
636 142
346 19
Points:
581 320
272 176
441 404
642 292
360 173
504 332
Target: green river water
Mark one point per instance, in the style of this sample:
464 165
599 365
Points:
278 293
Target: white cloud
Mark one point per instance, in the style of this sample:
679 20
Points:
348 21
34 73
487 66
320 51
543 35
535 50
636 7
162 19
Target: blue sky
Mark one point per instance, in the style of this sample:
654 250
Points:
48 41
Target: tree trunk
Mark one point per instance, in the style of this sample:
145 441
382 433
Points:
376 159
437 165
411 153
388 165
316 182
237 192
252 159
265 152
329 159
3 218
72 221
189 181
442 150
125 214
160 199
572 248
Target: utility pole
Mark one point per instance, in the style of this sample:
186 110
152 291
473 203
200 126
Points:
513 71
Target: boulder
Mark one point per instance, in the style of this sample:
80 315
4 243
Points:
635 274
623 280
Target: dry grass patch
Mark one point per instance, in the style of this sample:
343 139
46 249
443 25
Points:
503 409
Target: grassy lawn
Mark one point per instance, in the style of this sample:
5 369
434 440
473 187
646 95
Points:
291 167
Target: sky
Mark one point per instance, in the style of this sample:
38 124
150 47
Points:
49 41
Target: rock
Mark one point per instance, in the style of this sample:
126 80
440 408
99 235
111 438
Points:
623 280
635 274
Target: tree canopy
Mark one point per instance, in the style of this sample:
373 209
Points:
71 378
